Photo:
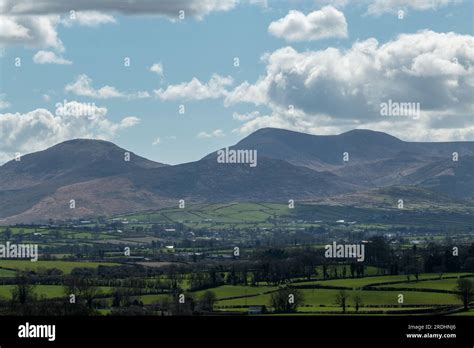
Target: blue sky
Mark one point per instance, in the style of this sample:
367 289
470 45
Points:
205 44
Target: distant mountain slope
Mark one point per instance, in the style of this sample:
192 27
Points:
451 178
413 197
321 152
270 180
375 159
196 182
70 161
362 146
37 175
290 165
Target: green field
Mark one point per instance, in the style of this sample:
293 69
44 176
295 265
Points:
6 273
46 291
65 266
251 215
352 283
326 297
441 284
211 214
227 291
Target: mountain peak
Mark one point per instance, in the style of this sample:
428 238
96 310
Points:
319 151
279 132
77 157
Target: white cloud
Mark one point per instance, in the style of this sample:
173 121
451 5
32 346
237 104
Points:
335 3
261 3
48 57
139 95
31 31
157 68
218 133
248 93
3 103
196 90
296 26
34 23
159 140
87 18
82 86
335 89
9 29
129 121
40 31
192 8
39 129
378 7
245 117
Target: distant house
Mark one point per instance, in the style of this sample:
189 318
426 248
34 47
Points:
257 309
170 229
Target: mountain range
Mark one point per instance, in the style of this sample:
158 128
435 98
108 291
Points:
348 168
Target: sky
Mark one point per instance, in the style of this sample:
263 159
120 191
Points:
175 80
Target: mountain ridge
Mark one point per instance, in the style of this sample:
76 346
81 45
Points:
291 165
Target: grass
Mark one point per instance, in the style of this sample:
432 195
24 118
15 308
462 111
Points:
221 292
65 266
247 215
6 273
46 291
352 283
441 284
149 299
326 297
233 213
226 291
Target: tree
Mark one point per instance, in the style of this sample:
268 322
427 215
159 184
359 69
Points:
8 233
164 305
357 302
121 297
341 299
207 301
464 291
286 300
183 304
353 268
81 288
175 277
23 291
